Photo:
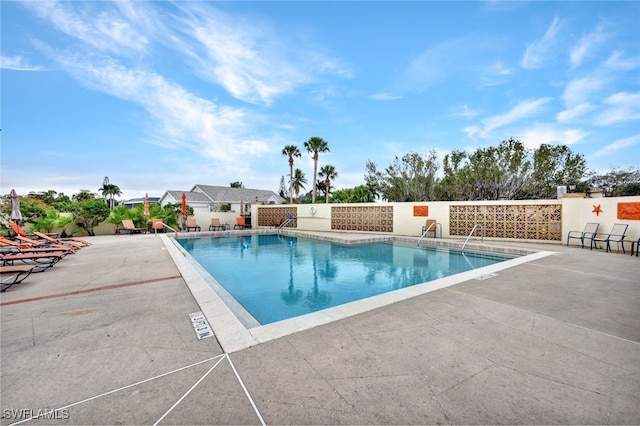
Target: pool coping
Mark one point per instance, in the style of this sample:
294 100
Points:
233 335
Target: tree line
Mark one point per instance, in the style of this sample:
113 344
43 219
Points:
508 171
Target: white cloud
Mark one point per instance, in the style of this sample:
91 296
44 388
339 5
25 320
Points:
471 131
493 75
185 121
385 97
617 62
578 91
574 113
436 63
466 112
539 51
250 61
107 30
17 63
586 45
623 107
524 109
548 134
618 145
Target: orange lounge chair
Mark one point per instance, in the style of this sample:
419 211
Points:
10 275
240 223
73 241
191 224
17 229
5 242
40 261
49 239
157 225
35 243
13 247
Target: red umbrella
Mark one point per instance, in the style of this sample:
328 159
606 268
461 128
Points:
241 207
183 212
146 213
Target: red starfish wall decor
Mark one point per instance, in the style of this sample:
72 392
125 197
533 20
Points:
597 210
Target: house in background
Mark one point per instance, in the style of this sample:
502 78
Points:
133 202
209 198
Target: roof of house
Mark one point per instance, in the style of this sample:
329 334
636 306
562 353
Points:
192 197
202 194
228 194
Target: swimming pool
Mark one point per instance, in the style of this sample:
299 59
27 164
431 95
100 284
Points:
274 277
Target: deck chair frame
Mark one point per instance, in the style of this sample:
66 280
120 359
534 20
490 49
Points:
130 228
588 233
216 225
12 275
617 234
191 224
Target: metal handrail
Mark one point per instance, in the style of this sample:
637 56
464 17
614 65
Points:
165 226
427 230
471 233
285 223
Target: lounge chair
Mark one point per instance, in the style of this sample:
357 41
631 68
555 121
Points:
7 247
73 241
130 228
10 275
240 223
40 261
39 243
588 233
616 235
191 224
157 225
216 225
17 229
49 239
429 226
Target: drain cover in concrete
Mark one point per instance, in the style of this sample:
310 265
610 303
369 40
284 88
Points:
201 325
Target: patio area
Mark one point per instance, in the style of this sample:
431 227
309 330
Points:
105 337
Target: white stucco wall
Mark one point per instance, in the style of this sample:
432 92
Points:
576 212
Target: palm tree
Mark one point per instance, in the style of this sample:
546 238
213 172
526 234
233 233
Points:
291 151
298 181
109 191
316 145
329 173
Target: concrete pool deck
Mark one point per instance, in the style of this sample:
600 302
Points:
104 337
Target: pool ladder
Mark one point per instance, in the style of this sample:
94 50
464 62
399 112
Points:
285 223
164 225
433 225
471 233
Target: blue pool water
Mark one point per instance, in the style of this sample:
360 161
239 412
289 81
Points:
275 277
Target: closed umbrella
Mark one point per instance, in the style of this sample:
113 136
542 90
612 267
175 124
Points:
16 214
146 213
183 211
241 208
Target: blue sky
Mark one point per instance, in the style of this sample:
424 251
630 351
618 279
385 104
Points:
164 95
